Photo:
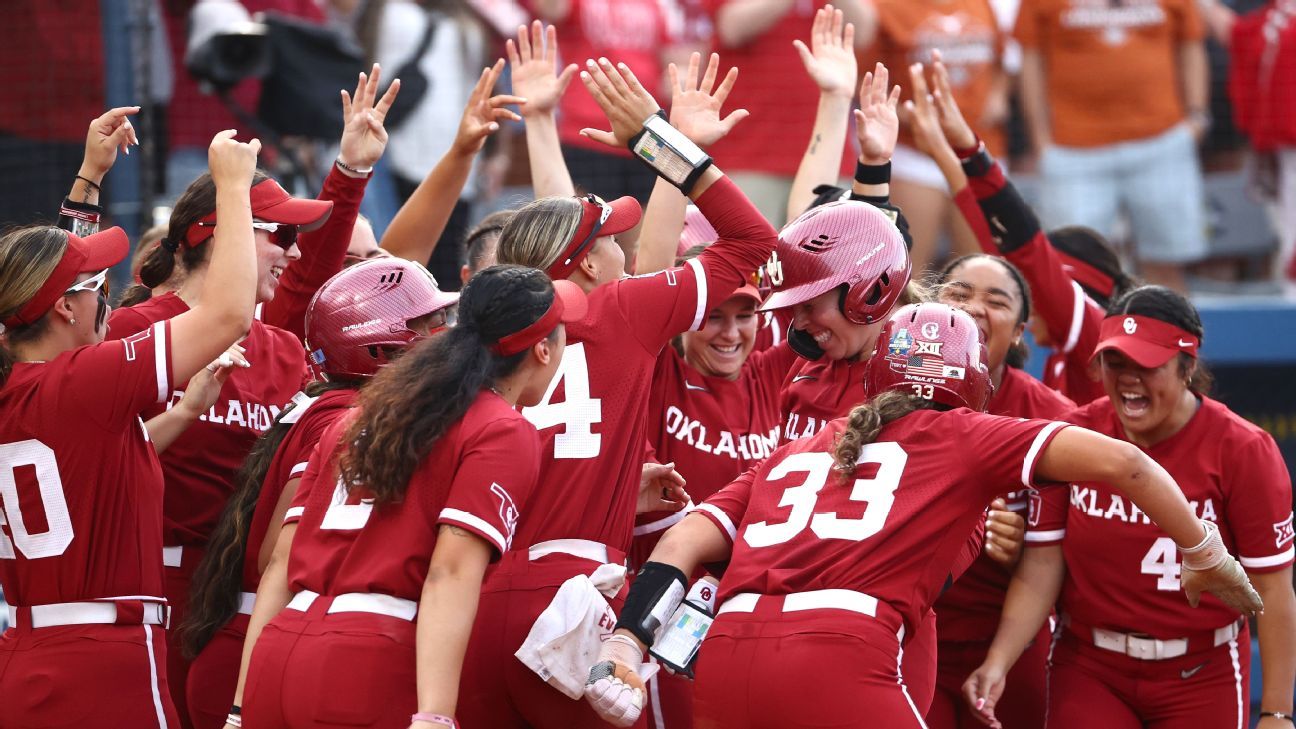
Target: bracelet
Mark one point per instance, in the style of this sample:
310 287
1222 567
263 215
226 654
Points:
365 171
95 185
235 720
1278 715
433 719
873 174
671 155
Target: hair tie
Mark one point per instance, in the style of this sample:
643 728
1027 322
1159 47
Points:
171 245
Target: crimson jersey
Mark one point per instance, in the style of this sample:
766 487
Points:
80 483
311 419
1122 570
969 609
815 393
200 465
477 477
796 525
593 418
712 428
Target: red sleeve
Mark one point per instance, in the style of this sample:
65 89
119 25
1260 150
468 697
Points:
727 506
1072 318
1258 508
1008 449
971 550
115 380
663 304
309 475
493 481
126 321
968 207
322 253
1046 524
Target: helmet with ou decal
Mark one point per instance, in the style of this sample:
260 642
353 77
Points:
934 351
366 309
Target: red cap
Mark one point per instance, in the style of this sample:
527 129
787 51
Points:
1149 342
568 305
1086 275
91 254
273 204
748 291
597 218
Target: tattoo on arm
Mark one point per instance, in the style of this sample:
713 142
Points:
457 531
814 146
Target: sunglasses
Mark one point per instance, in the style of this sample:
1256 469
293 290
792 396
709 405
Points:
604 214
283 235
98 284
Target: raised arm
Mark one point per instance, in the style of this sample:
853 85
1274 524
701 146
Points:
110 132
532 63
877 126
830 62
414 232
200 394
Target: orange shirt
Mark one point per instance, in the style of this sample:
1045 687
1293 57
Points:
1111 69
968 37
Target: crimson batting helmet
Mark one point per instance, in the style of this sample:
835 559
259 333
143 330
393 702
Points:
846 243
935 350
366 308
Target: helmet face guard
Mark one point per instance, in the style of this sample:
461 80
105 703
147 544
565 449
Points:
934 351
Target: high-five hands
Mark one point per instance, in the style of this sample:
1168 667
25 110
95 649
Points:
483 112
830 59
695 104
532 62
876 124
363 136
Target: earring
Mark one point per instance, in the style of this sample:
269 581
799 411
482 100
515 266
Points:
72 322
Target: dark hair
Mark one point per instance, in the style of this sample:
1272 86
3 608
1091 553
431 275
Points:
28 256
217 581
1171 307
195 203
1017 353
866 421
408 405
1090 246
478 242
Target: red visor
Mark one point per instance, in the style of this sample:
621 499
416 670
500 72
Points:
273 204
597 218
1149 342
1086 275
91 254
568 305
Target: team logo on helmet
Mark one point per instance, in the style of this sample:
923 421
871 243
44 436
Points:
774 270
931 330
932 348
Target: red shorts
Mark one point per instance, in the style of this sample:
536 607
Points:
1020 707
213 675
85 675
341 670
1090 686
498 691
176 590
829 669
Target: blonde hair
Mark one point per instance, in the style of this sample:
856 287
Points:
917 292
538 232
28 256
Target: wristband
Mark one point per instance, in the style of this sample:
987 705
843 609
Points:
1209 553
977 164
80 219
363 171
673 156
967 152
1278 715
873 174
433 718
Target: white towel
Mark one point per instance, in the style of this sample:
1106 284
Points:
564 641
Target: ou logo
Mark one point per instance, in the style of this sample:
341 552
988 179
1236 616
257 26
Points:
931 330
1130 325
774 270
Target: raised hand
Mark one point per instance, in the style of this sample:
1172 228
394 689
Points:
923 118
483 112
830 59
204 388
230 161
363 136
111 132
876 124
621 97
956 128
695 107
532 62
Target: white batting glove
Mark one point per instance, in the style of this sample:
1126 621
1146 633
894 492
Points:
615 689
1208 567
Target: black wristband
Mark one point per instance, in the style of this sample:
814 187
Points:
236 710
979 164
1012 222
873 174
1278 715
656 583
95 185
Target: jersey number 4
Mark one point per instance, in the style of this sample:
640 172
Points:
577 413
877 492
1162 560
58 523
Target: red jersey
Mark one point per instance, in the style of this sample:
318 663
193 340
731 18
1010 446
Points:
1123 571
712 428
796 525
311 419
477 477
593 418
80 483
969 609
815 393
200 465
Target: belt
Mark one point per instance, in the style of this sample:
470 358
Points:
146 611
583 548
1146 648
856 602
246 602
358 602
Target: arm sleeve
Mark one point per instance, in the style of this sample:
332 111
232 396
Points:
322 254
115 381
666 303
1046 523
1258 507
1008 448
494 479
727 506
126 321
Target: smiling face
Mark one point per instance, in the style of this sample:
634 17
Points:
724 342
984 289
1152 403
271 262
838 337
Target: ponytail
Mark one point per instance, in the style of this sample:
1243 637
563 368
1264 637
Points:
866 421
